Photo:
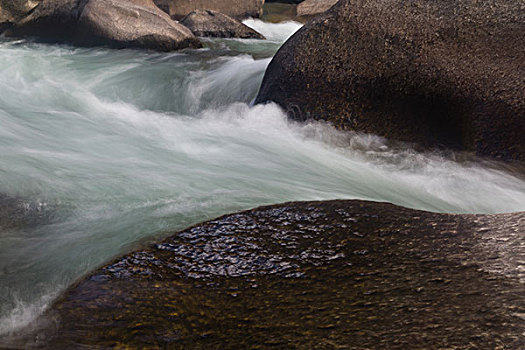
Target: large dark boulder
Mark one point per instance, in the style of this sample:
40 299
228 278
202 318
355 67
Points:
433 72
214 24
327 275
238 9
115 23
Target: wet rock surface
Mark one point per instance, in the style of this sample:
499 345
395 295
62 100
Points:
310 275
435 73
209 23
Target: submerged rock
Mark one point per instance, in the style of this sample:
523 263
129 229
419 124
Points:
238 9
438 73
308 275
115 23
16 213
314 7
214 24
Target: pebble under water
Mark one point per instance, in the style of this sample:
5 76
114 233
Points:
102 150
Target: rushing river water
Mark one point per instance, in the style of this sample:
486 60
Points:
112 148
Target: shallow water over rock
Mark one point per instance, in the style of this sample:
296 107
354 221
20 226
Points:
17 213
323 275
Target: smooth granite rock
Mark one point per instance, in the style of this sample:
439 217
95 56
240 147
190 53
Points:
209 23
238 9
134 23
115 23
323 275
13 10
437 73
314 7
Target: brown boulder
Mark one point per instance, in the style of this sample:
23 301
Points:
314 7
50 20
432 72
13 10
238 9
343 274
116 23
214 24
131 24
294 2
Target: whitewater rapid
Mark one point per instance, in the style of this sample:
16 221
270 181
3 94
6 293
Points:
121 147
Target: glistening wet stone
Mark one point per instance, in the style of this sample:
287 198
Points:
311 275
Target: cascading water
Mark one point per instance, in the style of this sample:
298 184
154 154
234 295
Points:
117 147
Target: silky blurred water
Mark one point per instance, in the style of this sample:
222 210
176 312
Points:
118 147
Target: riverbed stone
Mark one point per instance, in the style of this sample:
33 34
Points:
335 274
13 10
238 9
210 23
134 23
295 2
436 73
314 7
49 20
115 23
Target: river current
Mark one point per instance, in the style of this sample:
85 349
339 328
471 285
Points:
115 148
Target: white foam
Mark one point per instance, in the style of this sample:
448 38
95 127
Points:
23 313
274 31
